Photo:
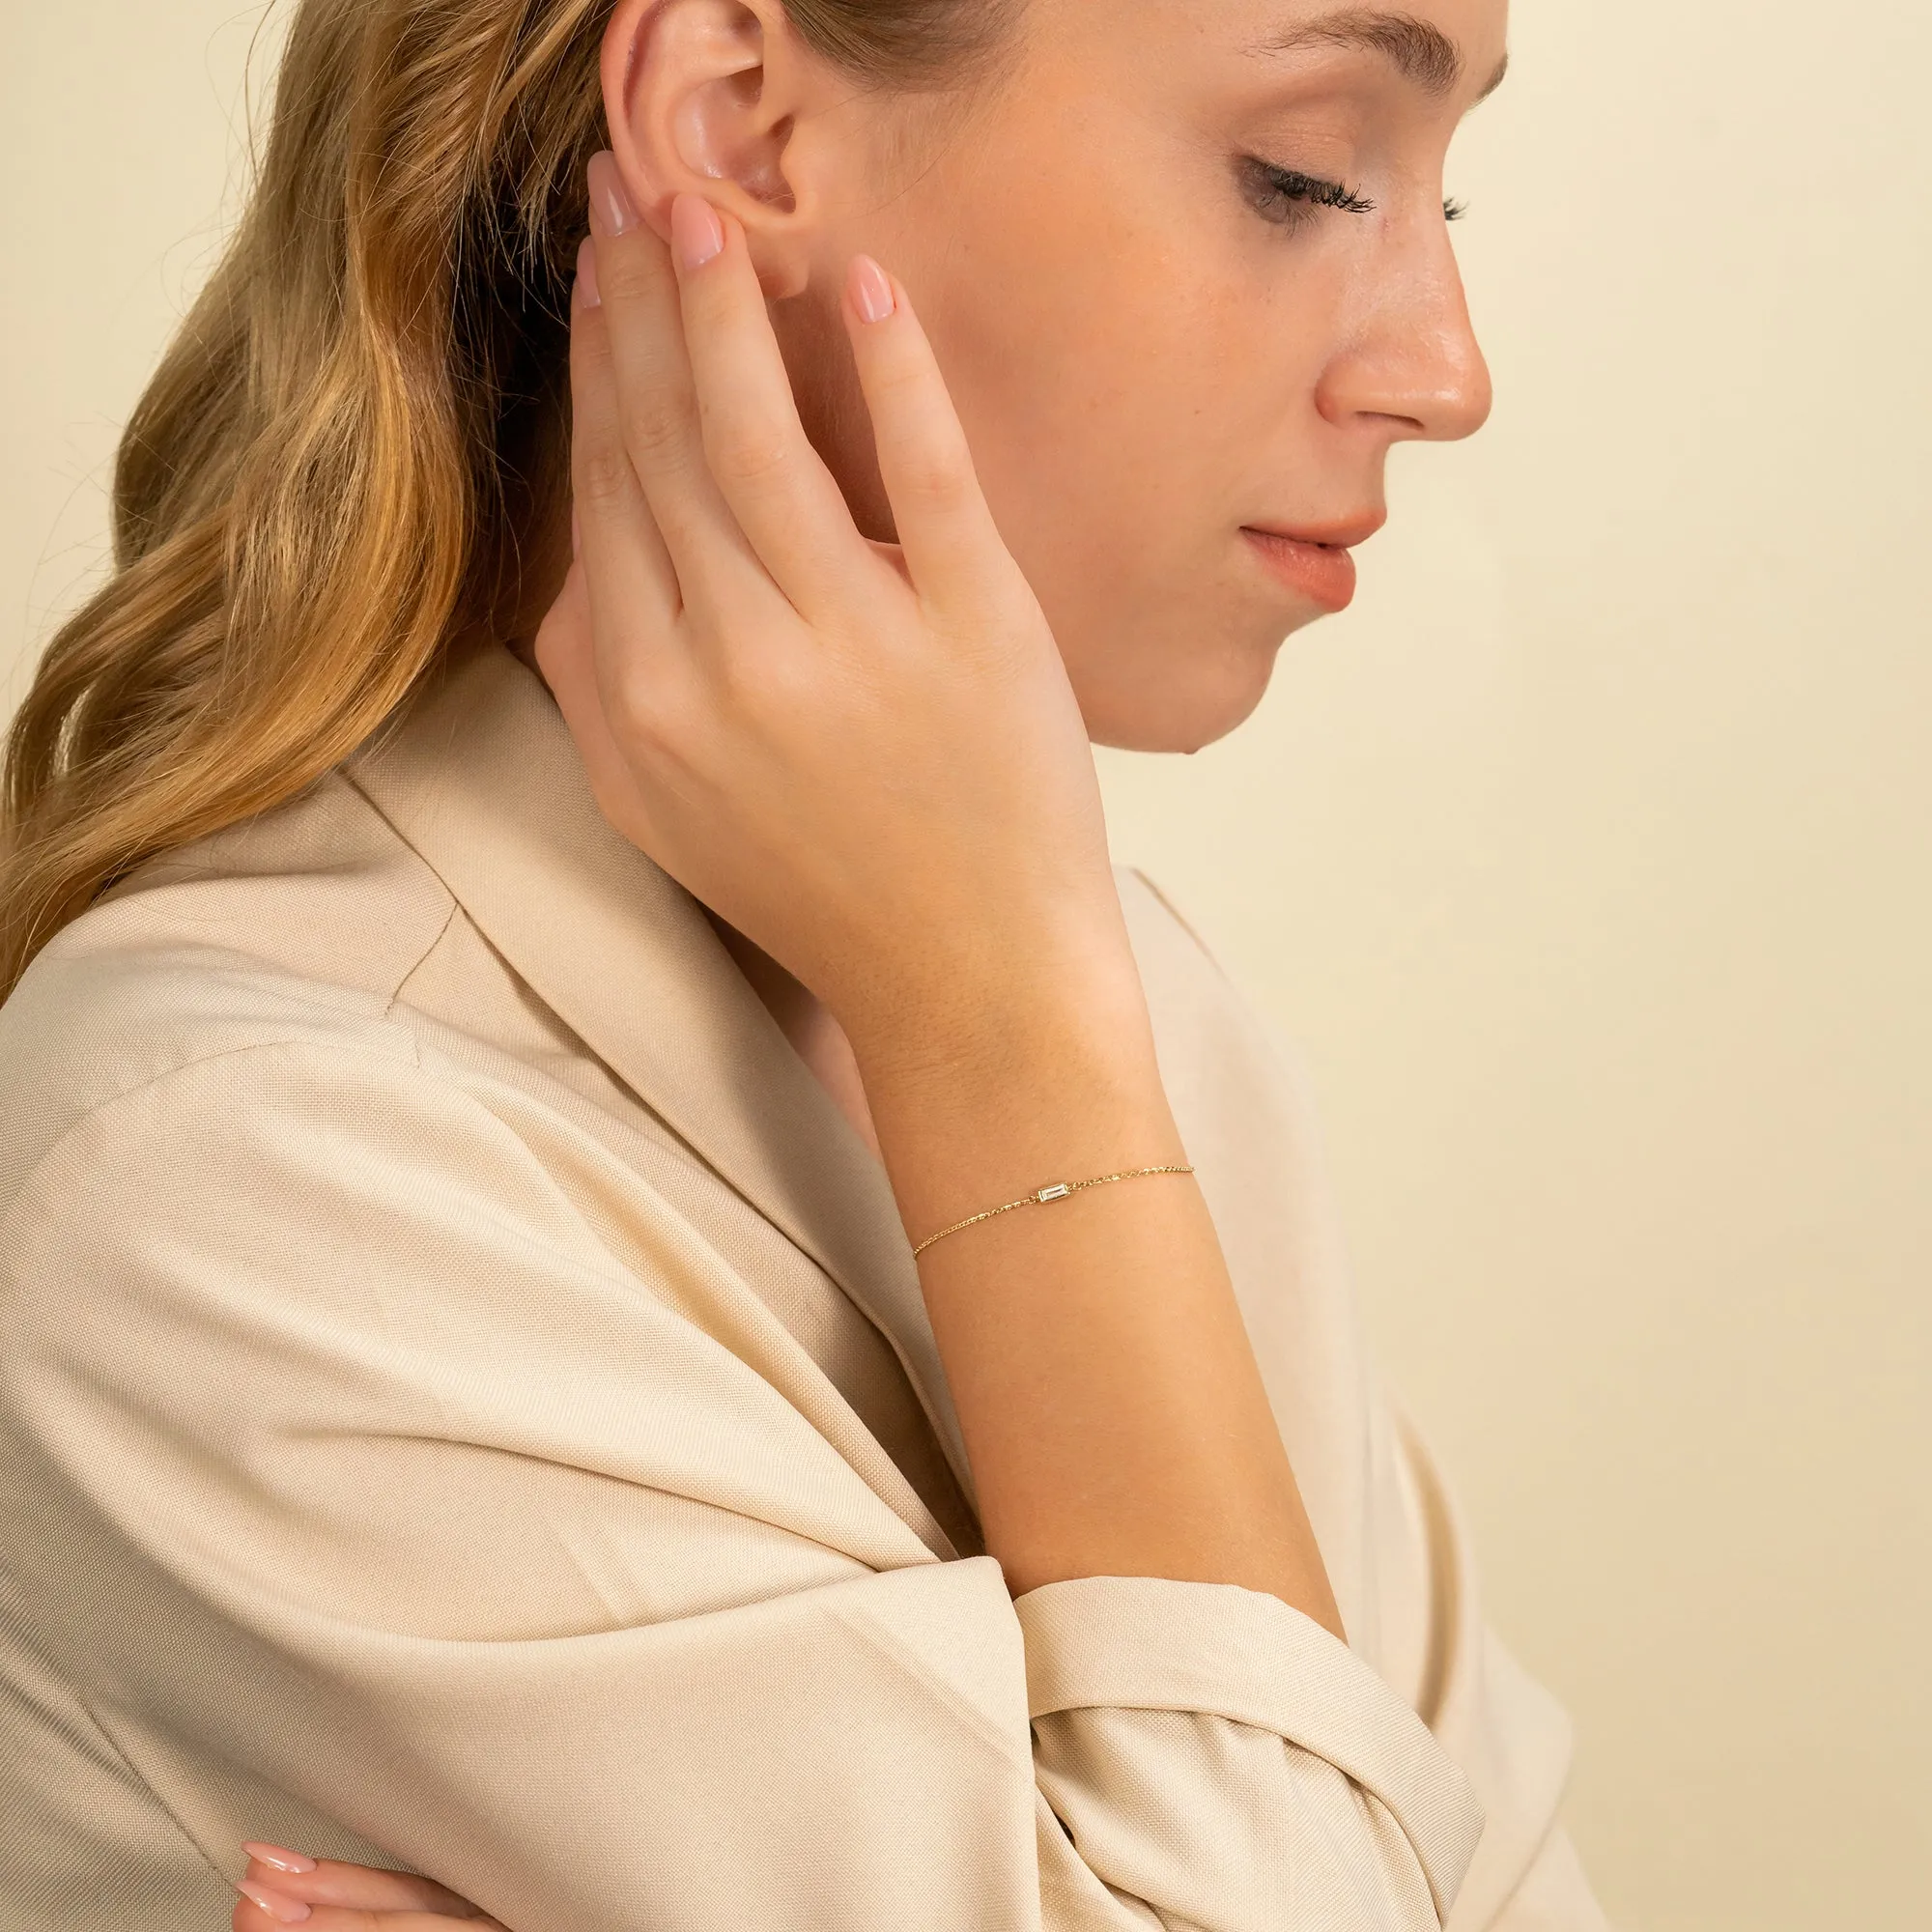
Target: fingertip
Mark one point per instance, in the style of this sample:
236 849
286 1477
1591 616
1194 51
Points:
276 1907
874 295
279 1856
697 234
587 290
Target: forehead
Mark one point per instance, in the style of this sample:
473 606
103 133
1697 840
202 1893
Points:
1445 48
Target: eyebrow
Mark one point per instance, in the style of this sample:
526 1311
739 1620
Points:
1420 52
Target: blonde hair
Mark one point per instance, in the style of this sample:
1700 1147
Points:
331 476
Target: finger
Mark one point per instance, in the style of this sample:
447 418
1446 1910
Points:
622 569
252 1918
568 662
619 543
331 1881
657 403
959 562
775 482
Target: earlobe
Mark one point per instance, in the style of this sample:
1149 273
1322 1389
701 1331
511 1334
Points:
695 96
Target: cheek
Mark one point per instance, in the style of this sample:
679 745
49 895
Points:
1096 401
1131 395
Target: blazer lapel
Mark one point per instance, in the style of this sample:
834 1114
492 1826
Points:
481 778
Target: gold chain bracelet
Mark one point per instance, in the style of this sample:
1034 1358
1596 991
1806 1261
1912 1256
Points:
1059 1192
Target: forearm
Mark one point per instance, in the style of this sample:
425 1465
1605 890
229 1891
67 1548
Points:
1104 1377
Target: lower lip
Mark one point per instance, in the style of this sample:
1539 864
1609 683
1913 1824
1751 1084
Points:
1322 573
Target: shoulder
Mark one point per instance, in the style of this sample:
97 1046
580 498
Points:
294 929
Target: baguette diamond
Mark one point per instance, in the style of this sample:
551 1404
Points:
1059 1192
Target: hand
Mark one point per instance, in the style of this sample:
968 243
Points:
282 1888
865 758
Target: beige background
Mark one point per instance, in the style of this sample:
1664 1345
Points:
1587 856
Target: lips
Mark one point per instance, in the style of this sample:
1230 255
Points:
1343 533
1317 567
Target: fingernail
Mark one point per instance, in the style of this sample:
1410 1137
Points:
280 1857
612 209
588 292
289 1910
696 231
872 290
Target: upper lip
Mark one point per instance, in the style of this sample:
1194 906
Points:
1344 533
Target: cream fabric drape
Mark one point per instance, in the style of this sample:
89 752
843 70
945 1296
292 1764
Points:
465 1402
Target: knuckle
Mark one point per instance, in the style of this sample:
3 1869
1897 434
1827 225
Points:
897 387
636 710
742 683
591 370
603 473
627 274
935 479
747 459
653 719
659 434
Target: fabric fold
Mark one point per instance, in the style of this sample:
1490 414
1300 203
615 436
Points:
1153 1643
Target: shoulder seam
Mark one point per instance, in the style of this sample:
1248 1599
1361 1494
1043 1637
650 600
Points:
413 1060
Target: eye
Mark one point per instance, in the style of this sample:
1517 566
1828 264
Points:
1289 197
1454 211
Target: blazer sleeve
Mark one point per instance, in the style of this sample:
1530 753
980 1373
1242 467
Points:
350 1478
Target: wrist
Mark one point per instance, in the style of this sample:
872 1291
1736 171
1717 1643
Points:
1074 1003
1015 1085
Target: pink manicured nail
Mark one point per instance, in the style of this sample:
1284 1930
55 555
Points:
289 1910
586 274
612 209
871 291
696 231
280 1857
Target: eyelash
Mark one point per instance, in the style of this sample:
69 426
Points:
1292 192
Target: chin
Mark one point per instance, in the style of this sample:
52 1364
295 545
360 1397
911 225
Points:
1183 708
1164 698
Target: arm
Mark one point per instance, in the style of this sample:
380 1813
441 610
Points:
849 758
1106 1387
364 1497
870 761
880 776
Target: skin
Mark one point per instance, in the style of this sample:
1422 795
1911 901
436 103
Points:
1221 369
1143 365
828 559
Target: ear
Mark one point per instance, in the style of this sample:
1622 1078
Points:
706 95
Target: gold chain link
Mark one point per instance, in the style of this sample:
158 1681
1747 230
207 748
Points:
1058 1191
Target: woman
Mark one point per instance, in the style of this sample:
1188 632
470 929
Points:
635 1283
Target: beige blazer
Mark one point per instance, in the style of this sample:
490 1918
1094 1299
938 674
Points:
466 1402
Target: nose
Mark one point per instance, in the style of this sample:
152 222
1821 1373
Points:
1413 367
